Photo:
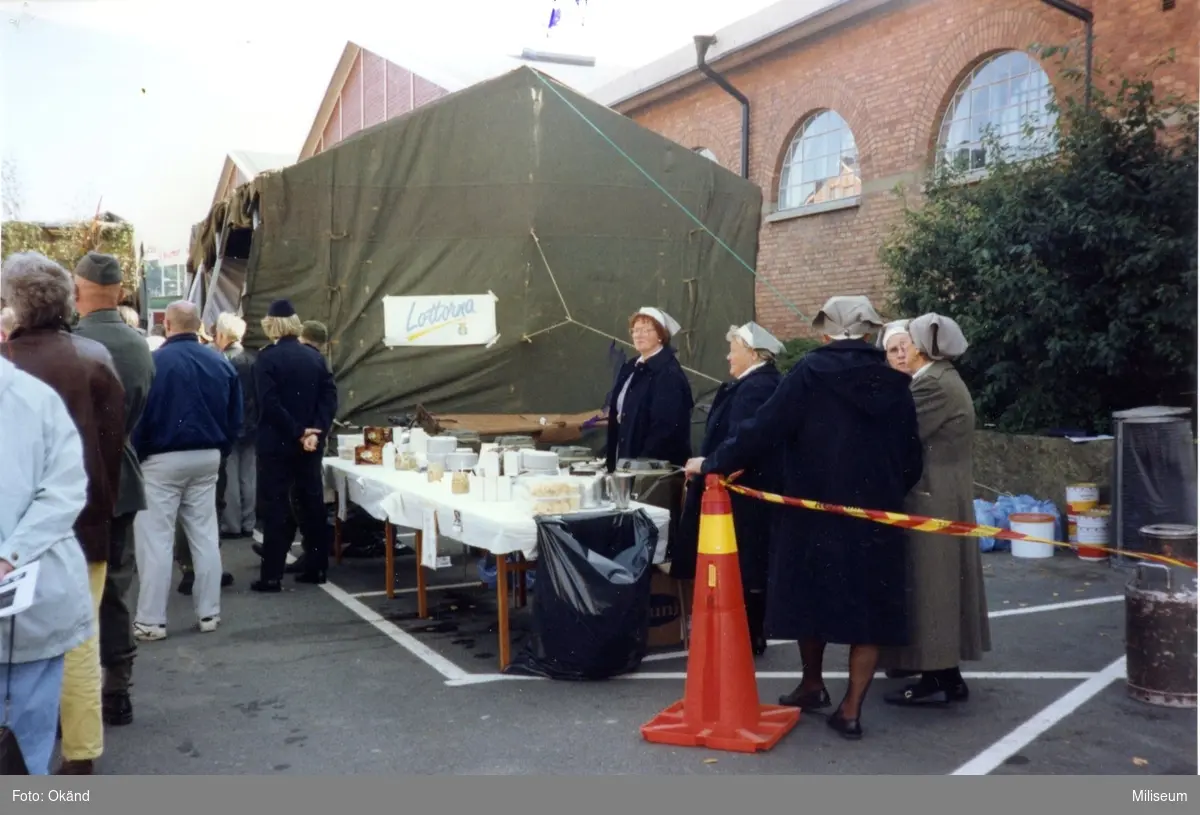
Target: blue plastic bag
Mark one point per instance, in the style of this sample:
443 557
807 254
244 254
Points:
997 514
487 573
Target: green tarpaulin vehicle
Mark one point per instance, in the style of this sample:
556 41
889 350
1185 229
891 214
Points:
570 214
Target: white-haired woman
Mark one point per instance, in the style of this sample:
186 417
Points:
895 342
751 358
237 517
947 607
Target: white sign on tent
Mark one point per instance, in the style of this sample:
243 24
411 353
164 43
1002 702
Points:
458 319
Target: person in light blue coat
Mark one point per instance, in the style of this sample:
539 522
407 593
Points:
45 489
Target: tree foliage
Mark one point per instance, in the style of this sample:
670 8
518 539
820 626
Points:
1073 273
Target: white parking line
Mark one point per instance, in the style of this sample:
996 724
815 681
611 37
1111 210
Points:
995 755
480 679
1093 601
413 590
1007 612
402 638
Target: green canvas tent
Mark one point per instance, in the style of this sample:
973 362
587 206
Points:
519 187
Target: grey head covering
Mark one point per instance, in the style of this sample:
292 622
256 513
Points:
756 337
937 337
847 317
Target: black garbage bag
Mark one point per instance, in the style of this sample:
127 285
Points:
591 611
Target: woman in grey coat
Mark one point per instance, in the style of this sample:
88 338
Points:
947 605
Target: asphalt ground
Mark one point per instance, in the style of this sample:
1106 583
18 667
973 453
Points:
316 681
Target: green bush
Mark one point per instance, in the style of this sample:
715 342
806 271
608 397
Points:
1072 274
794 349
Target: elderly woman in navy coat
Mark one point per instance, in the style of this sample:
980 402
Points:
751 358
651 411
846 426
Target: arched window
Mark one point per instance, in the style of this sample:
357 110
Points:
821 165
708 154
1006 98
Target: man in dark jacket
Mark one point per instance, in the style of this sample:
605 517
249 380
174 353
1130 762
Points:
297 401
98 281
82 372
193 416
847 427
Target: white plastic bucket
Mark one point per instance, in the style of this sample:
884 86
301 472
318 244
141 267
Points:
1092 528
1080 498
1037 524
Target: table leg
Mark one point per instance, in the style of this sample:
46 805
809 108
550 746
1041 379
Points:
389 569
522 598
502 608
337 539
422 589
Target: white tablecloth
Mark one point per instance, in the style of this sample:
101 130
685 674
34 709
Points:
401 498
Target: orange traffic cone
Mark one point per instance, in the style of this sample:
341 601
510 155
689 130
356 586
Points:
720 707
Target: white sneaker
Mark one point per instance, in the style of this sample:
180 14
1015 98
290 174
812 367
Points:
209 624
149 633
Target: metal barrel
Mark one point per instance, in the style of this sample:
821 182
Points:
1160 636
1171 540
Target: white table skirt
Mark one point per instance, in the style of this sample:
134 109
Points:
402 498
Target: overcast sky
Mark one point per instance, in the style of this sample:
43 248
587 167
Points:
136 102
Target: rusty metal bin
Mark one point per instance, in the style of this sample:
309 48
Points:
1170 540
1160 636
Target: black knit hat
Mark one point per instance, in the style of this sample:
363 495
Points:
103 270
281 308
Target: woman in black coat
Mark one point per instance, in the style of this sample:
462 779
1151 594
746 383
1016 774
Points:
751 358
846 426
650 413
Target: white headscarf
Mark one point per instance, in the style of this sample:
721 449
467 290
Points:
892 329
756 337
662 318
937 337
847 317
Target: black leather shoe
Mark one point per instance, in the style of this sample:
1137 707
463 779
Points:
266 586
935 688
296 568
312 578
849 728
186 584
806 700
226 580
117 709
257 548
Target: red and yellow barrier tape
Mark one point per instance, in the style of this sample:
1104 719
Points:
936 526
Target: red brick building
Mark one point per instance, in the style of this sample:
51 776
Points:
851 98
367 89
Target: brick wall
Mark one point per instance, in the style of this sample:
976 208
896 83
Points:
891 76
375 90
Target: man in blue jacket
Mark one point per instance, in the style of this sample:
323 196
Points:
192 418
297 400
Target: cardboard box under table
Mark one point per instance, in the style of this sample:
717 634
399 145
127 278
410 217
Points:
409 501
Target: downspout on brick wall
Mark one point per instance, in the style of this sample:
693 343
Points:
703 43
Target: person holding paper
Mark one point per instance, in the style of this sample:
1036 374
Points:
46 488
83 373
651 411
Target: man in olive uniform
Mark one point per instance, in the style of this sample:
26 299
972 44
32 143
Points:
98 281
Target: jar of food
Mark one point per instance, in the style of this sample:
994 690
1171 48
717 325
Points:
460 483
435 472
